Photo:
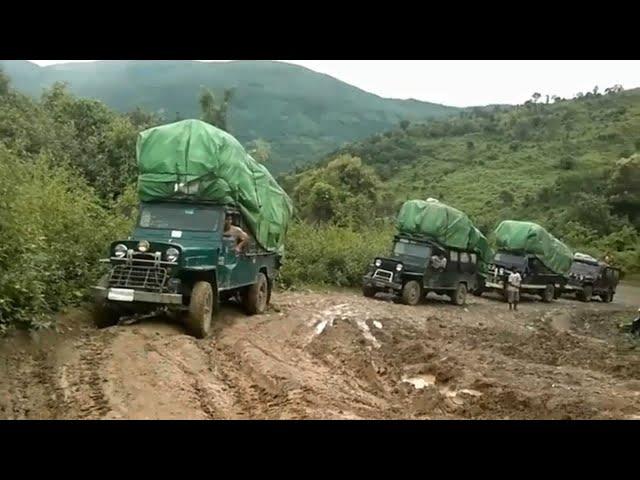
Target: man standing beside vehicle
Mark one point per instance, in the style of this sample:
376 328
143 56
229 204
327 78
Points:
513 289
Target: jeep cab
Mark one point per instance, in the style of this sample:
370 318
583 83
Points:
411 271
536 278
178 258
589 277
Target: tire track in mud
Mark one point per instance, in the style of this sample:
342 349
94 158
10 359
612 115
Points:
84 391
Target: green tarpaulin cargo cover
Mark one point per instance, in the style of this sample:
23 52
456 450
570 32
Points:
444 224
531 238
194 160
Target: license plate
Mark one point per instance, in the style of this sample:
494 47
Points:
120 294
380 284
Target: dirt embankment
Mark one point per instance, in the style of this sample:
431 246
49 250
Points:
335 355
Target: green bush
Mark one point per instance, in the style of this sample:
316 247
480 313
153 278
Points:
331 255
53 233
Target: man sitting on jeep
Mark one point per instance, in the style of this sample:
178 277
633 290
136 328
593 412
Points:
231 230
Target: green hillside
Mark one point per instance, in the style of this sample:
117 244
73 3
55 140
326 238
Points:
301 113
572 165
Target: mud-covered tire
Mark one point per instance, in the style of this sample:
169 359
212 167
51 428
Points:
104 315
201 306
256 297
411 293
607 297
368 292
459 296
586 294
549 294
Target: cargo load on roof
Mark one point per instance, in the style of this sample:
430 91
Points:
192 160
446 225
531 238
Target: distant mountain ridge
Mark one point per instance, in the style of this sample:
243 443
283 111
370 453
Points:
303 114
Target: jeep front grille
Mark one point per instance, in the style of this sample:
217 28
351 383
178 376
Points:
149 279
385 275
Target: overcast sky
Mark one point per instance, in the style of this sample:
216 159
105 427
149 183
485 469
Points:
464 83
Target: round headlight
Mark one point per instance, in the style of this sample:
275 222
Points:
378 262
399 267
172 254
120 250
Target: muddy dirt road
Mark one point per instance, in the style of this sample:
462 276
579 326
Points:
338 356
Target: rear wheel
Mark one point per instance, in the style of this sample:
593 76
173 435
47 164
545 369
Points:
549 294
200 310
411 293
368 291
256 297
607 297
459 297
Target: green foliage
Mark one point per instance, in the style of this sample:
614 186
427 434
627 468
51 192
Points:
332 255
4 83
62 161
214 111
567 163
53 233
345 192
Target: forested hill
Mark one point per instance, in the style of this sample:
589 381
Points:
301 114
571 165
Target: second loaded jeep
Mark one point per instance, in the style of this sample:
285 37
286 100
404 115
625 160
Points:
179 259
419 265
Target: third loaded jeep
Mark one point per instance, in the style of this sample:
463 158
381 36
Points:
589 277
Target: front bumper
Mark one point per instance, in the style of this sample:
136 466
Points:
124 295
368 281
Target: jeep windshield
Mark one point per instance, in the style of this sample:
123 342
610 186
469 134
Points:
579 268
167 216
412 250
508 260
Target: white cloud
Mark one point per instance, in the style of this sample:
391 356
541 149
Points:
471 82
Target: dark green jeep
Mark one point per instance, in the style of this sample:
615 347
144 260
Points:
179 259
420 265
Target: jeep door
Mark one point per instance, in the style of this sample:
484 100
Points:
245 262
443 279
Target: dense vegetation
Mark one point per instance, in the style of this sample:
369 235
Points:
571 165
64 164
300 114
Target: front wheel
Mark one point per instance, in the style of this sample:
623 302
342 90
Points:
411 293
200 310
549 294
587 293
607 297
257 295
368 291
459 297
104 315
